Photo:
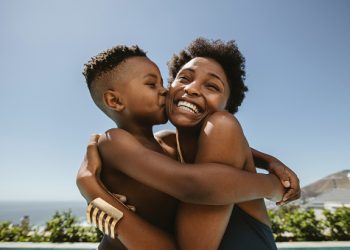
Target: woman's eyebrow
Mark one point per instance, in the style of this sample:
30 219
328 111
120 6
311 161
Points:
217 77
187 69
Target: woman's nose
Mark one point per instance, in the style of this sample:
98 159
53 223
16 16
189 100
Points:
192 89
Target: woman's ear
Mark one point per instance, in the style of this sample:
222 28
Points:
113 100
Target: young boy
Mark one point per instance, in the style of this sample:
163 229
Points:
127 86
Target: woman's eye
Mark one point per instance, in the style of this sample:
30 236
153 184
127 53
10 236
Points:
213 87
184 78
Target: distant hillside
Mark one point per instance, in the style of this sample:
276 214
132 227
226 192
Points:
337 180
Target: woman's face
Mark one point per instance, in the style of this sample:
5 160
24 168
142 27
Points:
199 89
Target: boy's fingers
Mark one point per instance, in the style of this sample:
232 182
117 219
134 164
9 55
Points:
296 196
290 195
285 178
286 183
280 203
287 195
295 185
294 181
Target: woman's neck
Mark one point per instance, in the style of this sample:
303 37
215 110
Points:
187 140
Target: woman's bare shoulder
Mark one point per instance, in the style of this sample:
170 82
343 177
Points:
222 141
222 123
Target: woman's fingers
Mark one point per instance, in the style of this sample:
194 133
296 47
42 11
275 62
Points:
123 199
132 208
120 197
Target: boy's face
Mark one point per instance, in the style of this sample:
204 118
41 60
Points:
143 94
199 89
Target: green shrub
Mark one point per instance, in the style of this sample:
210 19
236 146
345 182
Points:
338 223
63 227
304 226
289 223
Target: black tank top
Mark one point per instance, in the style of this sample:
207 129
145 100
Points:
244 232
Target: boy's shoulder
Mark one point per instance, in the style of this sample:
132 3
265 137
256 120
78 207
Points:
115 133
167 140
116 138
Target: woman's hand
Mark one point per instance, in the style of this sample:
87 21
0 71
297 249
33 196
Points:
288 179
91 164
122 199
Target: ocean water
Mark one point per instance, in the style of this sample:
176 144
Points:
39 212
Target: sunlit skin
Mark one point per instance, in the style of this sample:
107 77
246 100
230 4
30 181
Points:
203 83
139 97
199 90
138 94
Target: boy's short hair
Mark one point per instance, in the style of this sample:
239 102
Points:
226 54
103 63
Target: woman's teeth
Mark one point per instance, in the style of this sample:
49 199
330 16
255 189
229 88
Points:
188 106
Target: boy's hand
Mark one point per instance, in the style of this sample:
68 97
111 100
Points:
288 179
278 190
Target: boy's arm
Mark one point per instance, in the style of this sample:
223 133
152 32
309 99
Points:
131 226
182 181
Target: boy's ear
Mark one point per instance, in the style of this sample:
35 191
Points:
113 100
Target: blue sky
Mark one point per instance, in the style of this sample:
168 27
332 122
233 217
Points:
297 61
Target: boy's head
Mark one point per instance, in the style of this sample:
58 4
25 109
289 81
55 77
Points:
227 55
126 85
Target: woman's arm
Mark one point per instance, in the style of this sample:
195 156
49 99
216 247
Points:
224 143
204 226
131 226
288 178
122 151
261 160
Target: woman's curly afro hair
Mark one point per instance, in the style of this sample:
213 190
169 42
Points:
226 54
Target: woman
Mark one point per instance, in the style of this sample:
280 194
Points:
207 79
